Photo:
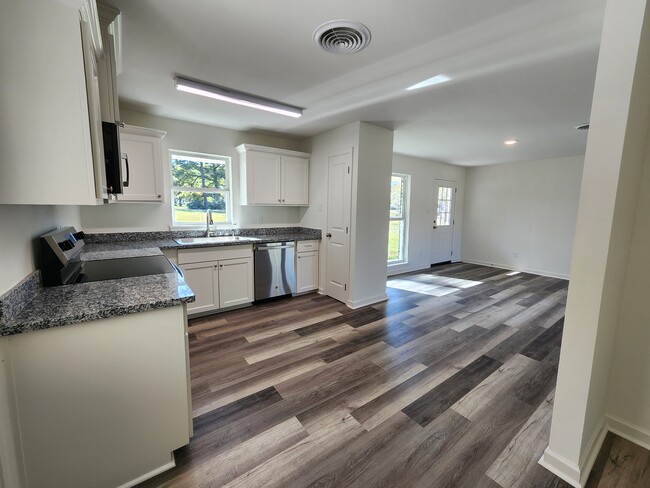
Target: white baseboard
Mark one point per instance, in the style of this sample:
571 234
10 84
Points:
367 301
561 467
632 433
150 474
541 272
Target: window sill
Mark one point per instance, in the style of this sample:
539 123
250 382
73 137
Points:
397 263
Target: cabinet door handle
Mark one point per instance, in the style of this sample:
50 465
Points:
125 157
328 235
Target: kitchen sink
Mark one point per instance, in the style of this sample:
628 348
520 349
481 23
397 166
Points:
215 240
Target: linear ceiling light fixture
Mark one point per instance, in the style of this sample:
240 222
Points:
510 142
435 80
233 96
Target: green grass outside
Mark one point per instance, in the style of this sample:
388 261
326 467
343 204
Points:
394 240
186 216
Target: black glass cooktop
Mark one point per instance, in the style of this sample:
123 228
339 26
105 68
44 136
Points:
112 269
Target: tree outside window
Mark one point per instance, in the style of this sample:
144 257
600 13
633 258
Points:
200 182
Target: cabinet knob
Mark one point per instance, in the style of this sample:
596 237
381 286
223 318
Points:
283 199
159 196
279 200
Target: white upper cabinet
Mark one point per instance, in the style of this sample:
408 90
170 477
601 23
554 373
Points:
110 28
271 176
142 165
46 152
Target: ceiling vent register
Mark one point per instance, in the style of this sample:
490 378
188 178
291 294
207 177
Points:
342 36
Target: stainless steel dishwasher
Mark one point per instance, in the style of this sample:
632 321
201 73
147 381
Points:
275 269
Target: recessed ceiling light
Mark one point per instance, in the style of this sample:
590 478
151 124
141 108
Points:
435 80
233 96
510 142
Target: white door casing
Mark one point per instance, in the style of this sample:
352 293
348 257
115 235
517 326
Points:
339 197
442 232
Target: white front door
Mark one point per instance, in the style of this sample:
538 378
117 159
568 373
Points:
442 234
337 236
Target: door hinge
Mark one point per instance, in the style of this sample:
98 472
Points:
346 230
455 190
453 222
348 170
345 287
452 253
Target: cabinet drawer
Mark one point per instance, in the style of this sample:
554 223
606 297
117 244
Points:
307 246
203 254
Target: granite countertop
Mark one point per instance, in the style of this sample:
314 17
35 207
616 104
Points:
30 307
71 304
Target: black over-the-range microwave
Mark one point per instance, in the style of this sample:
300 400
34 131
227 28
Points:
115 181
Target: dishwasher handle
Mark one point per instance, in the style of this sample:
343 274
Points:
275 245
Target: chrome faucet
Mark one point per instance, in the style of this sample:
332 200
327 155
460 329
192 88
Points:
208 222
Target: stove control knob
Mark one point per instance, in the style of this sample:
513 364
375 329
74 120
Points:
66 245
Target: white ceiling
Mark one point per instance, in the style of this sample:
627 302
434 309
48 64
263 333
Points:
521 69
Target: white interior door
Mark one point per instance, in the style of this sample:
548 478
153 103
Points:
442 233
339 196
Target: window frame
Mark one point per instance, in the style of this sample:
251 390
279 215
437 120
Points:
406 189
227 192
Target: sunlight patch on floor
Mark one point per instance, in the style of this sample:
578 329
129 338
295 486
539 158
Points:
432 285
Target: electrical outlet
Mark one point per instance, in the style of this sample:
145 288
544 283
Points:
260 219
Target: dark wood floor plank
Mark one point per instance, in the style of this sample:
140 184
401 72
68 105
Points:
544 343
628 465
433 403
536 384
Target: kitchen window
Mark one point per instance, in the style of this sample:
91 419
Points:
398 223
200 182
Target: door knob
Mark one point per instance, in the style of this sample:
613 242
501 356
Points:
328 235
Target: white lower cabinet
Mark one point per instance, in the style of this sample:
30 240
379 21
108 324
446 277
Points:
203 279
235 282
102 403
306 266
219 277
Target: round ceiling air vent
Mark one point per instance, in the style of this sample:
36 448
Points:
342 36
583 126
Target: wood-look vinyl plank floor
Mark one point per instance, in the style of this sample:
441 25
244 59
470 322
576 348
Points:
449 383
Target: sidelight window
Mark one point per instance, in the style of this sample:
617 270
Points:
200 182
398 224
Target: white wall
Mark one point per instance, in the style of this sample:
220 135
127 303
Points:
616 151
522 215
21 225
189 136
629 385
423 172
370 210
